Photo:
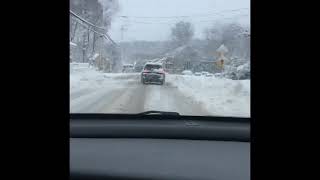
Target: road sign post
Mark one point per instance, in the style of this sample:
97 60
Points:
221 59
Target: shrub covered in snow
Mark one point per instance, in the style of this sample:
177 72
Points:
243 71
238 68
187 72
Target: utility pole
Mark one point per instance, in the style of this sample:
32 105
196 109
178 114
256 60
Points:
86 24
84 47
122 29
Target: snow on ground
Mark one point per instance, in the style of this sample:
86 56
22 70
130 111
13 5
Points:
169 98
221 97
97 92
88 87
83 77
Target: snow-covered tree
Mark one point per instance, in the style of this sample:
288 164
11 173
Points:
233 35
97 12
182 33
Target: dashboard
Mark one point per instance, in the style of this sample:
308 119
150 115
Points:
159 149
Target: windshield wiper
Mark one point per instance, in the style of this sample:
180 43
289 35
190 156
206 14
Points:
165 113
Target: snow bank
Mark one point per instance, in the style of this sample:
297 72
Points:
220 97
84 77
244 67
73 44
121 75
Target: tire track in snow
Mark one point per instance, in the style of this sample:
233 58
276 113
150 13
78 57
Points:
169 98
134 97
129 102
94 99
90 103
77 94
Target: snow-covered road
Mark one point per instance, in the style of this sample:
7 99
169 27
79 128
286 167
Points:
95 92
130 96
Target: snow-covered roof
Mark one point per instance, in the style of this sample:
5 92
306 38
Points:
222 49
72 44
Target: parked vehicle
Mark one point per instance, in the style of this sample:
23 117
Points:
197 74
187 72
128 68
203 73
218 75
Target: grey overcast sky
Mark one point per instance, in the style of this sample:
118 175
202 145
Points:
151 20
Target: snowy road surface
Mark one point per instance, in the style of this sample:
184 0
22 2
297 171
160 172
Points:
130 96
95 92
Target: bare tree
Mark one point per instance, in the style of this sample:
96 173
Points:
182 33
233 35
74 30
98 12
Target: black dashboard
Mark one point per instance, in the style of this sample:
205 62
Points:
153 148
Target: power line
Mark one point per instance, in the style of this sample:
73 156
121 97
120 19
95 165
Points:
85 21
172 23
242 15
145 22
106 36
128 19
90 24
195 15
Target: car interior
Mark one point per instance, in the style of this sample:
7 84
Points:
159 90
166 146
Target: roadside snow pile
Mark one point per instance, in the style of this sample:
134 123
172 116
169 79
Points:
221 97
81 76
243 71
84 77
121 76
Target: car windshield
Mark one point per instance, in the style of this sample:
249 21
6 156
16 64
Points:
185 56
